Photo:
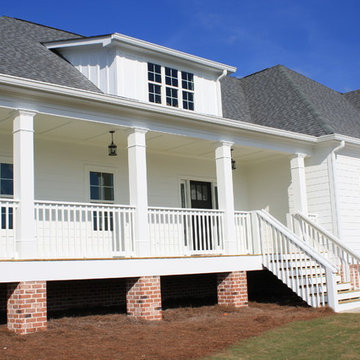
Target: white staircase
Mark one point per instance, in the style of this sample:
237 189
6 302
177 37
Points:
314 273
345 259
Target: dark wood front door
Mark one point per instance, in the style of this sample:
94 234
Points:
201 224
200 192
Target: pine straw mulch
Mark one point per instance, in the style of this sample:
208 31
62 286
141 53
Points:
185 333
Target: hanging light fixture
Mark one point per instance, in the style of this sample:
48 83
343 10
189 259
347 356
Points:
112 147
233 162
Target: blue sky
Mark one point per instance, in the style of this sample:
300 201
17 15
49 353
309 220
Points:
318 38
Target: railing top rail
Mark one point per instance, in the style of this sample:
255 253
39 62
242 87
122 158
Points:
294 239
68 203
215 211
242 212
9 200
328 235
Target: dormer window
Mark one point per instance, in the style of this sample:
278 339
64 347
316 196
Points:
165 86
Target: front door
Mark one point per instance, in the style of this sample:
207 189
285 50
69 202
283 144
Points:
200 193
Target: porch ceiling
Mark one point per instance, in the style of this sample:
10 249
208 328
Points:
96 134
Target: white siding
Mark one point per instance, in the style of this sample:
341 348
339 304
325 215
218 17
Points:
348 183
268 184
121 73
318 188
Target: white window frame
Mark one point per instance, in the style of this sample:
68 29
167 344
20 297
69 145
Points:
101 169
163 86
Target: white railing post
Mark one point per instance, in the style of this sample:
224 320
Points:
226 194
255 233
23 156
332 300
138 189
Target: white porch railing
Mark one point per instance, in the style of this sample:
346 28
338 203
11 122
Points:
80 230
296 264
7 228
244 234
347 261
179 232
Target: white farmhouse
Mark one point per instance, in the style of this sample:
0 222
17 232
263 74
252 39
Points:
131 172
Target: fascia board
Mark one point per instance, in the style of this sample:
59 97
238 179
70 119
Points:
339 137
116 38
100 98
171 52
76 42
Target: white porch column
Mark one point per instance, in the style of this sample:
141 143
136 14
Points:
298 200
23 157
138 189
226 194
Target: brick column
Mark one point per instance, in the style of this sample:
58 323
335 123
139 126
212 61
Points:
143 297
232 289
26 307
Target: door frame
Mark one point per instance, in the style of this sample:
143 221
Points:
186 200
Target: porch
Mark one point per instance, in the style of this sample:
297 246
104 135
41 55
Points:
69 230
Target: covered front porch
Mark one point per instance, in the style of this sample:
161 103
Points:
163 195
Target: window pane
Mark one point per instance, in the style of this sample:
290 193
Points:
95 178
7 187
204 191
193 192
108 193
199 193
182 190
107 179
6 171
94 193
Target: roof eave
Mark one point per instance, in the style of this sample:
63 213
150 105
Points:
117 39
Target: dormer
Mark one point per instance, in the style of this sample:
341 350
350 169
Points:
124 66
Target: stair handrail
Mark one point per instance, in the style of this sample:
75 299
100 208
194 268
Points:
297 241
348 259
281 254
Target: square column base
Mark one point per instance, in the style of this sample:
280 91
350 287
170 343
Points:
232 289
26 307
143 298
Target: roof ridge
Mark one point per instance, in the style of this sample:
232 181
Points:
320 119
49 27
260 71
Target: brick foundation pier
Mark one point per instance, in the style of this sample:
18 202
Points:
26 307
232 289
143 297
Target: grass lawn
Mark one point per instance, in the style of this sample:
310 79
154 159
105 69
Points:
333 337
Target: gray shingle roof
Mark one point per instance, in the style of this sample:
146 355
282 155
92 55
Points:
284 99
23 55
353 97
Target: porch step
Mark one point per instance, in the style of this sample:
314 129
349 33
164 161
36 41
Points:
343 286
351 304
348 295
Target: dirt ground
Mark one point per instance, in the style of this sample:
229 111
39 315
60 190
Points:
185 333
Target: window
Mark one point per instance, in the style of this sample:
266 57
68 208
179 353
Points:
171 77
6 190
6 179
166 87
171 97
188 100
155 93
154 73
187 80
101 186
